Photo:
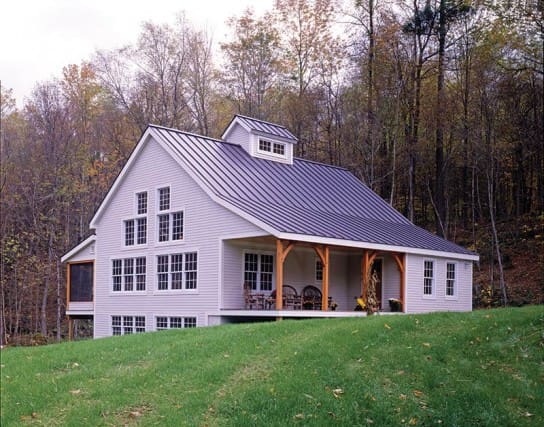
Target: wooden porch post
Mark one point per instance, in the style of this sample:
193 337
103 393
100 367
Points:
282 250
323 253
400 259
366 263
70 328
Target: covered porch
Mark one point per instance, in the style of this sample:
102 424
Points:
289 278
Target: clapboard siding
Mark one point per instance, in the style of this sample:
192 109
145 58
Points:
204 221
390 281
416 302
238 135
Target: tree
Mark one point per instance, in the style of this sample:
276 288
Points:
252 64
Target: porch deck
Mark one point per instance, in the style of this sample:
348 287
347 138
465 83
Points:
301 314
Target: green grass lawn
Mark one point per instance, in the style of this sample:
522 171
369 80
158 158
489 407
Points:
484 368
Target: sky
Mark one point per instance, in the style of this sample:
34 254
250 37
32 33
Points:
39 37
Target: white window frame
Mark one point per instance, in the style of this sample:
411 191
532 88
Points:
127 324
453 280
123 275
273 148
169 212
432 278
137 220
318 272
171 322
170 274
259 272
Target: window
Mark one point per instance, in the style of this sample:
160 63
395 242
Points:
141 203
279 149
164 199
265 145
272 147
259 271
81 282
165 322
140 224
126 325
128 274
318 270
450 279
177 271
428 279
170 226
136 228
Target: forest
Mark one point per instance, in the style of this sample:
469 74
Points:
437 105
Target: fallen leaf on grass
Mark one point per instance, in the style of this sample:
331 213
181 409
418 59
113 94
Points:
403 397
413 421
337 392
299 416
527 414
134 414
426 344
418 393
74 392
386 326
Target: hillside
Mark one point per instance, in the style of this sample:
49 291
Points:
484 368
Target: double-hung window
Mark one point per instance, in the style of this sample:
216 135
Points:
428 278
318 270
177 271
169 222
129 274
125 325
135 229
259 271
450 279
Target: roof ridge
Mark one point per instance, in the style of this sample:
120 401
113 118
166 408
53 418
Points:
262 121
222 141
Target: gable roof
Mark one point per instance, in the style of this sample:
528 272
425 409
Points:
306 200
261 127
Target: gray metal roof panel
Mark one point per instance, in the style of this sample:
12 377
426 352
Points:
268 128
305 198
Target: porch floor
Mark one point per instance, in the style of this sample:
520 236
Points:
291 313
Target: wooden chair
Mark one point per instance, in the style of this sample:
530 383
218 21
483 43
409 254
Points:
252 300
291 299
311 298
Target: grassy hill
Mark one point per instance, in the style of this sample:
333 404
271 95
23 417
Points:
481 368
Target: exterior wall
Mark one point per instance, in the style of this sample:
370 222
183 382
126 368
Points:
390 281
238 135
85 254
204 221
416 302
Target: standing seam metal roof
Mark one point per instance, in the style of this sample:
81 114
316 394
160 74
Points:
306 198
263 127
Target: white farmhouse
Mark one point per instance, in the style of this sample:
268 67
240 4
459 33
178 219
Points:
197 231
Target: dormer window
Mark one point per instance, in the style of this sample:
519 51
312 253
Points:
272 147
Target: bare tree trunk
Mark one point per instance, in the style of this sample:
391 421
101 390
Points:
59 336
496 243
43 317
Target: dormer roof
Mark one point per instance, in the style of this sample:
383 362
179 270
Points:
260 127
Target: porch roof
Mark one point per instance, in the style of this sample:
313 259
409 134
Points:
305 198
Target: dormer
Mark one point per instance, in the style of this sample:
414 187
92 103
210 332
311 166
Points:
261 139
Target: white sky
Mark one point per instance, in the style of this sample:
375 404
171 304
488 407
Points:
39 37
